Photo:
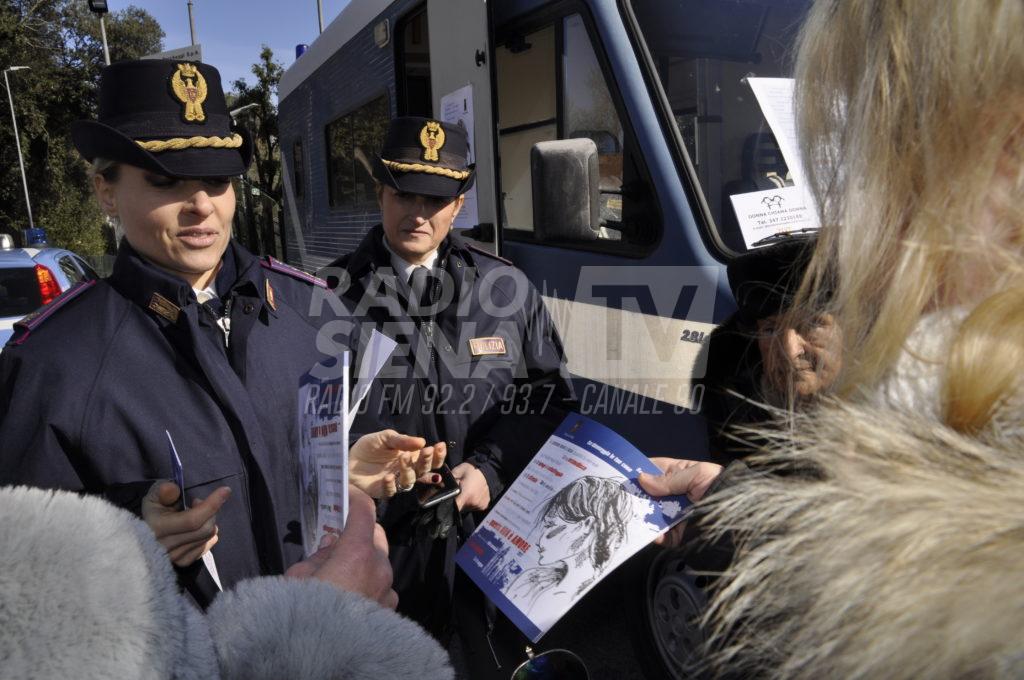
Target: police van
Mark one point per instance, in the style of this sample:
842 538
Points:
611 140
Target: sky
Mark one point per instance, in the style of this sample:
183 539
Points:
232 32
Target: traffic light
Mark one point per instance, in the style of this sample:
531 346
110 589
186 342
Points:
98 6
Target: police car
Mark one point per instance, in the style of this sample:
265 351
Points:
32 277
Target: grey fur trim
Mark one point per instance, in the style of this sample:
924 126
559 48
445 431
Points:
86 592
331 634
889 547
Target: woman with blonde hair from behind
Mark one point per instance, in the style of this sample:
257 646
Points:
893 545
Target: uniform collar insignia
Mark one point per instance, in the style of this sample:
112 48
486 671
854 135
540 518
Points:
189 86
164 307
431 139
269 290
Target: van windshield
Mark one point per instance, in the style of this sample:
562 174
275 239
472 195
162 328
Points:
703 52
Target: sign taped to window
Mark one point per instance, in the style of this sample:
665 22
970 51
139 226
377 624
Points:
457 109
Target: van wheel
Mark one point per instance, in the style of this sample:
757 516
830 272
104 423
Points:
668 637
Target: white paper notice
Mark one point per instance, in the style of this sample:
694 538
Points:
775 97
765 213
323 455
377 352
457 109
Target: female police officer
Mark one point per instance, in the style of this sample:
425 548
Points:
90 384
479 367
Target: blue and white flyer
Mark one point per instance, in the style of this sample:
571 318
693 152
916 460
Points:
571 517
323 453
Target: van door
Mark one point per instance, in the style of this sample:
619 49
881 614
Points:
460 75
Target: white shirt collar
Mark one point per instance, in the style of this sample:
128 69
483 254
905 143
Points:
207 293
403 268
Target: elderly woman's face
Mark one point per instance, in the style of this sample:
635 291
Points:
802 361
180 225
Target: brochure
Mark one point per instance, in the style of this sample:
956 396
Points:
323 454
325 418
571 517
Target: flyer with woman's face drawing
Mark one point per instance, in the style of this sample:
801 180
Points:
571 517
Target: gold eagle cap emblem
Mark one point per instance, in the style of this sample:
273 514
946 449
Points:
432 139
189 86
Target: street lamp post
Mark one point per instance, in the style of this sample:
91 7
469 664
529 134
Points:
99 7
17 140
191 23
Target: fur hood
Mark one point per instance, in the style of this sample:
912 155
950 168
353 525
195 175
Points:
879 545
87 592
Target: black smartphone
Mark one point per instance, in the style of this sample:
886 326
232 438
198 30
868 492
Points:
429 495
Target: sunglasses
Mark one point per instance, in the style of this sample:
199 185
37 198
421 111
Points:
555 664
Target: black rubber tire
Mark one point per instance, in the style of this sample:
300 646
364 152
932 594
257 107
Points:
664 606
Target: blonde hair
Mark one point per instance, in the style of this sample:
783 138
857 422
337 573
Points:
983 369
911 120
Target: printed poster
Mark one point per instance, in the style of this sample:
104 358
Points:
574 514
457 109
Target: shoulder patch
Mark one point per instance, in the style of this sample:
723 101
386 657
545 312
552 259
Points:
24 327
487 253
281 268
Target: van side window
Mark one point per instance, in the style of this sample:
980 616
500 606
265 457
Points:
412 65
703 51
551 85
352 141
527 114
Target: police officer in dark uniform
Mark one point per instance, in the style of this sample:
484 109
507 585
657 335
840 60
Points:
191 336
479 365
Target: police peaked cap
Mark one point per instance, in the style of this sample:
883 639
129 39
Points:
764 280
425 156
165 116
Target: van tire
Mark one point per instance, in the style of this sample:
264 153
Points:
664 608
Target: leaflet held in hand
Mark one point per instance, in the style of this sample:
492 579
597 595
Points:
323 452
571 517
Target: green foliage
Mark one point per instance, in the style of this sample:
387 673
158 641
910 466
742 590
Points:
257 215
60 41
262 120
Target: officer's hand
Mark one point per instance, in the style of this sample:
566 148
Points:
431 458
475 494
357 560
187 535
687 477
381 462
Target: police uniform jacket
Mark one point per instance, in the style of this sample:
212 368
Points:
89 387
478 366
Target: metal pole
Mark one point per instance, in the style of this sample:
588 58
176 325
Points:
191 23
320 13
103 33
17 145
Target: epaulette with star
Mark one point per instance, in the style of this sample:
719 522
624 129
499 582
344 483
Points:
24 327
281 268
